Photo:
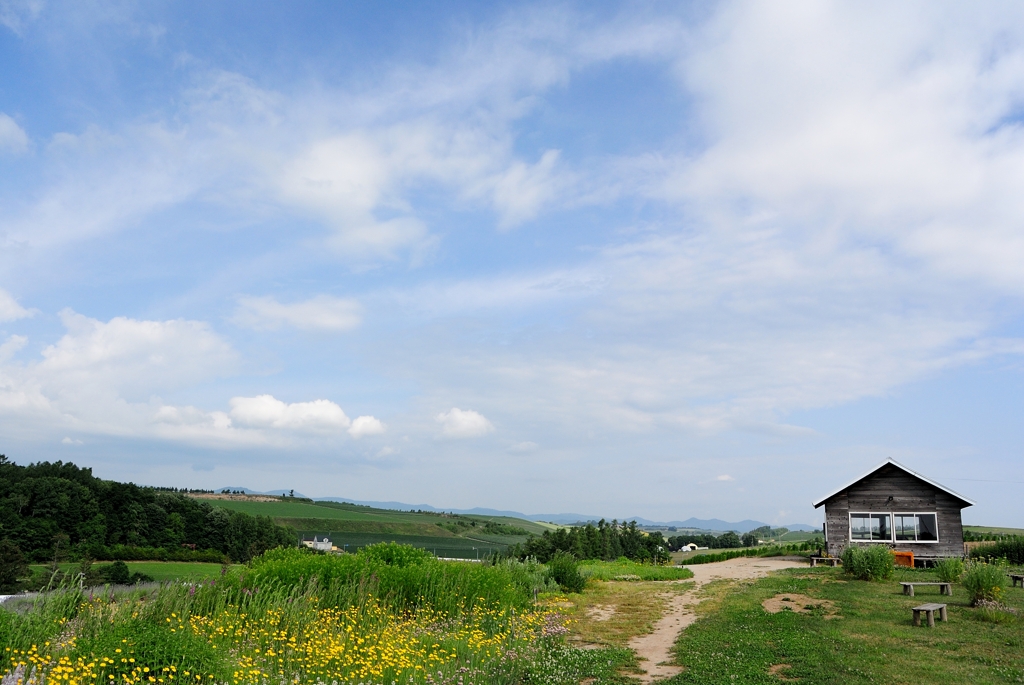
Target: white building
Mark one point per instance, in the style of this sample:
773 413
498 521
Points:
324 545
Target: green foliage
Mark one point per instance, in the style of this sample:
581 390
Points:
1010 547
107 520
728 540
604 541
749 540
564 570
415 580
876 562
13 566
950 570
393 554
984 582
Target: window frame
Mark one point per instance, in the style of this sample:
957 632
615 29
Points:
916 514
892 526
869 514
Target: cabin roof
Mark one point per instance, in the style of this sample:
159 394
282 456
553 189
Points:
903 468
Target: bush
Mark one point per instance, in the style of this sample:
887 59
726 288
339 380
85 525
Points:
1011 549
874 563
984 582
950 570
563 569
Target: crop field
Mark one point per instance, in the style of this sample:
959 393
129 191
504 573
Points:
450 547
455 536
356 513
995 529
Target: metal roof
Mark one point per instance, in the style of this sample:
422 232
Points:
900 466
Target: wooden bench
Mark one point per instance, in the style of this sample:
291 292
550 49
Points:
831 561
944 588
1015 577
929 609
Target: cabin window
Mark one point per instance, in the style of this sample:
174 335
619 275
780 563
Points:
868 527
916 528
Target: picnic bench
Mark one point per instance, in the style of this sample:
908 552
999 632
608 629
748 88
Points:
929 609
1015 577
944 588
831 561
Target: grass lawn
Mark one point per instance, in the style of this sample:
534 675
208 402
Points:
995 529
628 570
159 570
872 641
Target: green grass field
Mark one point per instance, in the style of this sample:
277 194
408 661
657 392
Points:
338 511
158 570
358 526
995 529
869 639
451 547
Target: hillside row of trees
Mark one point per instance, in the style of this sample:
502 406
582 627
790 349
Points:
49 508
729 540
604 541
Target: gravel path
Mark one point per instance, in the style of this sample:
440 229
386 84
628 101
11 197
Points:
655 649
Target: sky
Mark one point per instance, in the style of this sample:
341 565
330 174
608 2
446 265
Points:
623 259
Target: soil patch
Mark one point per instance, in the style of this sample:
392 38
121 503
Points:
600 613
799 604
655 648
777 670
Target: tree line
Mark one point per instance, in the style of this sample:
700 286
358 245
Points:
59 509
605 541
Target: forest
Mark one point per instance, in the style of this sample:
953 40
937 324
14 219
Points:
49 509
605 541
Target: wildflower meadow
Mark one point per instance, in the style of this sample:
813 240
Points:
389 614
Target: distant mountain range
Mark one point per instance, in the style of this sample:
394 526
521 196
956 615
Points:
563 519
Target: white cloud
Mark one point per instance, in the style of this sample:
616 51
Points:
523 447
367 425
11 346
458 423
70 441
10 310
132 357
321 313
724 477
14 14
12 137
266 411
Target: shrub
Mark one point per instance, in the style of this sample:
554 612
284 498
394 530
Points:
984 582
563 569
874 563
1011 549
950 570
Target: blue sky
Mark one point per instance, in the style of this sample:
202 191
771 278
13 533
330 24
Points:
625 259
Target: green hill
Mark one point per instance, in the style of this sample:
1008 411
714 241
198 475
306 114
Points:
354 526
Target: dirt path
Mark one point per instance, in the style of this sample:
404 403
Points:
655 648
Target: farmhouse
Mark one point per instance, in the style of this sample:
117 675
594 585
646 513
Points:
895 506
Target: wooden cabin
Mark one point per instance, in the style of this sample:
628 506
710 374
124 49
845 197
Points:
894 506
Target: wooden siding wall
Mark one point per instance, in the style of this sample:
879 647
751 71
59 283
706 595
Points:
910 495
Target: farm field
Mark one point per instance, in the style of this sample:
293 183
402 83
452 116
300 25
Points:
995 529
451 546
457 536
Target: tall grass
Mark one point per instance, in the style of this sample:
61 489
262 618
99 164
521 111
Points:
876 562
389 615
